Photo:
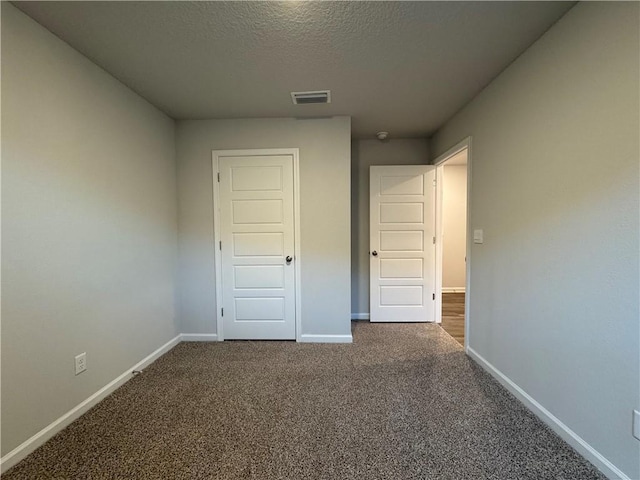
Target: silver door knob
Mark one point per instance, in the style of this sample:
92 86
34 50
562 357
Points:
374 253
289 259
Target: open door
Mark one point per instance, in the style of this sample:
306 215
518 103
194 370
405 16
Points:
402 243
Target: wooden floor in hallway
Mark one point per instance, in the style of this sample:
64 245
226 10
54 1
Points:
453 315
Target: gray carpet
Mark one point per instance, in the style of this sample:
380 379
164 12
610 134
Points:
401 402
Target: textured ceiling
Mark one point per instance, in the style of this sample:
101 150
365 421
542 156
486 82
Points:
404 67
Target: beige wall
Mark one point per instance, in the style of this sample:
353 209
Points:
555 166
89 231
366 153
325 217
454 226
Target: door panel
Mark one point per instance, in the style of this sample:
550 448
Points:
408 241
402 228
259 276
401 213
257 212
259 309
401 296
256 178
401 267
258 244
257 236
401 185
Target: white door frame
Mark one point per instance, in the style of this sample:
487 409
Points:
295 153
438 162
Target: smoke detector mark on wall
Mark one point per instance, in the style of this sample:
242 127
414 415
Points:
307 98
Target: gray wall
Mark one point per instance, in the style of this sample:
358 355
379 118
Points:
554 287
325 218
364 154
89 230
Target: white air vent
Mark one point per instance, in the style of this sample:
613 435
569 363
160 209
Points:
306 98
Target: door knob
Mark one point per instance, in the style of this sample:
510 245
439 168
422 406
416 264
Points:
374 253
289 259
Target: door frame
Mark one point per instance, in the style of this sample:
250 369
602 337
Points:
215 155
438 162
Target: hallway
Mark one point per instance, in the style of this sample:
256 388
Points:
453 315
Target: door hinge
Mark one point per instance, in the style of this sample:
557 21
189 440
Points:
218 177
433 296
434 183
434 240
220 244
222 312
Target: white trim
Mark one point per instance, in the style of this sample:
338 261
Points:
457 148
467 297
295 153
310 338
29 445
453 289
568 435
296 240
217 263
360 316
199 337
439 241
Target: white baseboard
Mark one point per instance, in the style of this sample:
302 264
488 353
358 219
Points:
326 339
568 435
360 316
453 289
199 337
29 445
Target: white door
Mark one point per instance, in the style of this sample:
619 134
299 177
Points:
256 218
402 245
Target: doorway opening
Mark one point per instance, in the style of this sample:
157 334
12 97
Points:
452 272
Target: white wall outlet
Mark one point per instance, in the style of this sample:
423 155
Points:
478 236
636 424
81 363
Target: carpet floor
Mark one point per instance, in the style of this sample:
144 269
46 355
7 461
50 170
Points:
402 402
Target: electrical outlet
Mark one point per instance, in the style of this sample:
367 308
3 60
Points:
636 424
81 363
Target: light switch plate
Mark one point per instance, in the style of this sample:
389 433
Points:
636 424
478 236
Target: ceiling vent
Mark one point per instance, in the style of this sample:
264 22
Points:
307 98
